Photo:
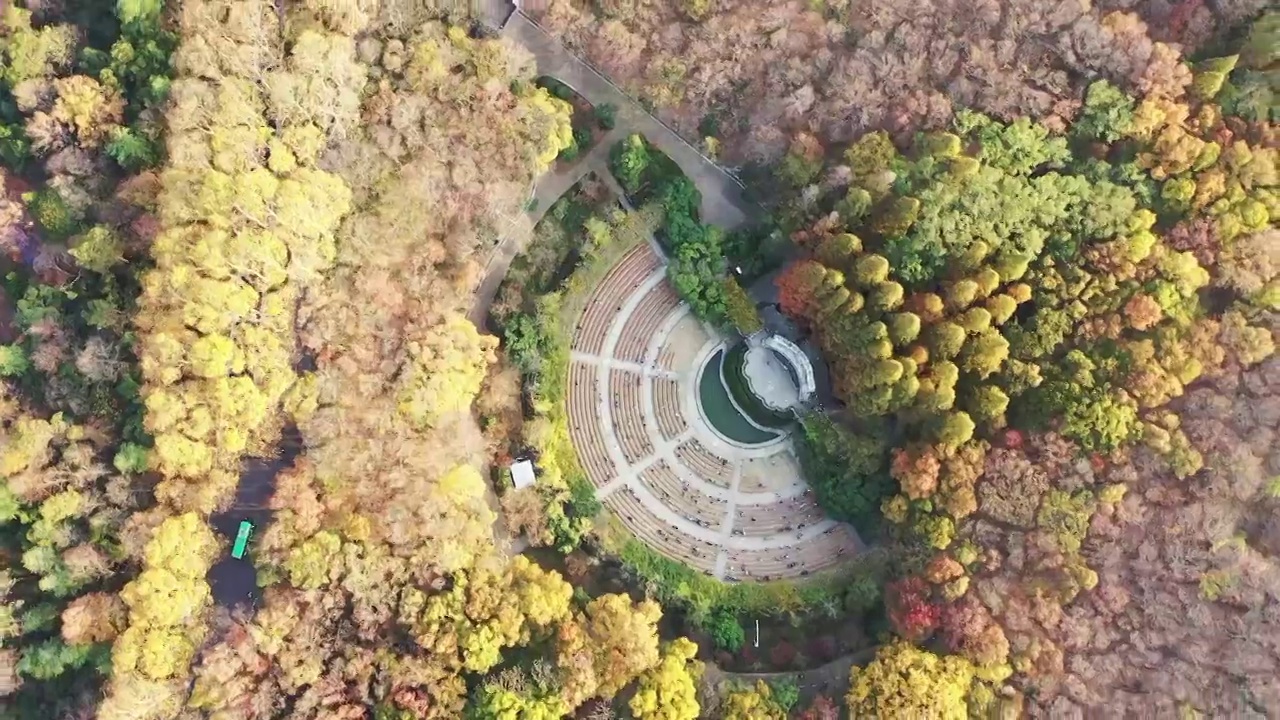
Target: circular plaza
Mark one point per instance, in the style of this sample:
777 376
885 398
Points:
647 417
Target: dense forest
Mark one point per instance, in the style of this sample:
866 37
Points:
1066 342
1037 250
749 74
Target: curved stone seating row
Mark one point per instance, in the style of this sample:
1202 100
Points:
660 536
655 307
666 406
628 415
704 463
584 424
666 359
607 300
781 517
826 551
682 497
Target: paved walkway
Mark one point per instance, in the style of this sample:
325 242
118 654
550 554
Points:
493 14
546 191
722 202
831 679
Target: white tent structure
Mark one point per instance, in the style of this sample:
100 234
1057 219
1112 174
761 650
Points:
522 475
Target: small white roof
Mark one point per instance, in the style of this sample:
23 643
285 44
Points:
522 474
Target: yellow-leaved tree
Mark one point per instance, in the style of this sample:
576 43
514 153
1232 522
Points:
600 651
381 557
447 367
248 225
669 691
906 681
166 605
752 703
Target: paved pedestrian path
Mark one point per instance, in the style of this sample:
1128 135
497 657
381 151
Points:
546 192
722 201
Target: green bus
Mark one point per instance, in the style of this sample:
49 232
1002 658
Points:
242 539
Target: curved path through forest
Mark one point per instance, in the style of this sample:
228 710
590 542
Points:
546 191
831 679
723 204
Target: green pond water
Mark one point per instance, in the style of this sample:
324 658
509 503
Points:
720 410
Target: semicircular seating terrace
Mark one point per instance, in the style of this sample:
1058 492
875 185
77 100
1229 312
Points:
704 463
661 480
606 303
626 389
588 439
666 405
787 516
656 306
735 511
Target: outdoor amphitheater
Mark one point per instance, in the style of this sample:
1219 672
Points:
658 454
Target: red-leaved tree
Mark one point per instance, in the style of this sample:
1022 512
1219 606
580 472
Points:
822 708
911 608
797 287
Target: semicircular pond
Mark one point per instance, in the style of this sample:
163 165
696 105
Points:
720 410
